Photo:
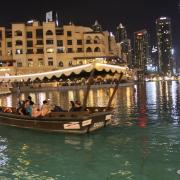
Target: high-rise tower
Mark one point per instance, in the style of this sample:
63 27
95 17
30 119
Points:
164 42
141 49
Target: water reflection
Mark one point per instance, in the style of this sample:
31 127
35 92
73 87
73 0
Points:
158 101
3 150
144 139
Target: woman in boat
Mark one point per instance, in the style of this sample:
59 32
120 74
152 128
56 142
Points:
45 108
36 112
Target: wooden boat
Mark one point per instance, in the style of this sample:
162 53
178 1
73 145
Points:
66 122
88 120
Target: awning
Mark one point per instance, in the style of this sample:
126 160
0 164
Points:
66 72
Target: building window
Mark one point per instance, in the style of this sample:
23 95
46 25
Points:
59 42
70 63
40 62
59 32
9 44
0 53
29 34
88 49
79 50
18 33
61 64
30 63
70 50
69 42
19 43
49 41
29 43
50 61
50 50
79 42
69 33
96 40
97 49
80 62
29 51
0 35
19 51
88 40
49 33
40 51
39 42
9 52
19 64
8 34
39 33
0 44
60 50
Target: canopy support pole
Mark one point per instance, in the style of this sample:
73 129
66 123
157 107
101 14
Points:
90 81
115 90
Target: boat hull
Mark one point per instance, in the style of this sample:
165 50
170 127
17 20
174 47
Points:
77 124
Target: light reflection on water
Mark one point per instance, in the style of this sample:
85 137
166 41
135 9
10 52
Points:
143 142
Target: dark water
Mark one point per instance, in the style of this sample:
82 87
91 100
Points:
142 144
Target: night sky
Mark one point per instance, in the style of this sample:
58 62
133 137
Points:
134 14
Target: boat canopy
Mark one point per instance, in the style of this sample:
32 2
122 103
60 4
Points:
65 71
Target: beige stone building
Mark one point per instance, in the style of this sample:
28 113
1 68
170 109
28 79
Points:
36 46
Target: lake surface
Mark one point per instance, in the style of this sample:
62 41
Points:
143 143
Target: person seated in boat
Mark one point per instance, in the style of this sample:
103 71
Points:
73 107
45 109
36 112
7 110
56 108
20 105
78 106
30 100
25 109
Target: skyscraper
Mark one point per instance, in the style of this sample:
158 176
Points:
164 41
141 49
124 44
121 33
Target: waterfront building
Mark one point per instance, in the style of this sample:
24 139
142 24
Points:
164 41
35 46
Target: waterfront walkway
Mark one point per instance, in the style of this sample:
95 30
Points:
66 88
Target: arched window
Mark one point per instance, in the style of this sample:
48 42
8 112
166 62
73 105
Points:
97 49
19 43
97 40
61 64
88 49
88 40
49 33
70 63
18 33
80 62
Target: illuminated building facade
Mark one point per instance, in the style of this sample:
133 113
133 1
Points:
124 44
141 49
36 45
164 41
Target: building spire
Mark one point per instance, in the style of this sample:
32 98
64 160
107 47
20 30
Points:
97 27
